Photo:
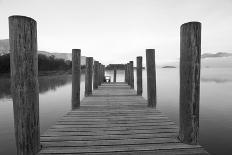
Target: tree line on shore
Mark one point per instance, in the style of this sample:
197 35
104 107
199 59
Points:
45 63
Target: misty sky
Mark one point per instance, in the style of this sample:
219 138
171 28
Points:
116 31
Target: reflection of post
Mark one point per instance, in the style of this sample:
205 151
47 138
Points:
88 76
95 78
139 76
76 72
151 78
115 74
190 58
132 74
24 83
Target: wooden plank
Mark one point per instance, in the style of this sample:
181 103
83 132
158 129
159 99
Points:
112 121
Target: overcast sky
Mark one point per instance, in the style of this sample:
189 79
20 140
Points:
116 31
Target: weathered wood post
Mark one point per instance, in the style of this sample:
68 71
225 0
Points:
88 76
125 73
24 83
103 78
95 78
99 74
76 73
190 59
132 74
151 78
139 75
115 73
128 74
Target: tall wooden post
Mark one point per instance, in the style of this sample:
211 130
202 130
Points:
95 78
128 74
125 73
151 78
190 59
99 74
103 78
24 83
76 73
139 76
132 74
88 76
115 73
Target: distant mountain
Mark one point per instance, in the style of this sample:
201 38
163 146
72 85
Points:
5 48
216 55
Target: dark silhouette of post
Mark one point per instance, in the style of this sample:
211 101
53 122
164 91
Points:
99 73
24 83
95 78
190 59
139 75
115 73
128 74
76 72
103 74
125 73
132 74
88 76
151 78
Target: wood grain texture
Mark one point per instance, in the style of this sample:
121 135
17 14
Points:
114 120
190 58
139 75
76 73
24 83
88 76
151 78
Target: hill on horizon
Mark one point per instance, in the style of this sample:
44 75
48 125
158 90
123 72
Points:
5 49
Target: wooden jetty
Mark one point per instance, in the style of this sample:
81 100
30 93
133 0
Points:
113 118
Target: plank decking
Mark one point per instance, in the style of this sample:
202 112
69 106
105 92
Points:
114 120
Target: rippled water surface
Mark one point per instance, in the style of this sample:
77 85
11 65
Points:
215 105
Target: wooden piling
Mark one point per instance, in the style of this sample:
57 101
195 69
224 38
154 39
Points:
139 75
88 76
103 78
76 72
132 74
128 74
115 74
99 74
24 83
190 58
151 77
95 78
125 73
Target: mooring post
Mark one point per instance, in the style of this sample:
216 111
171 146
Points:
190 60
24 83
132 74
115 73
88 76
128 74
103 78
95 75
125 73
76 73
99 74
151 78
139 75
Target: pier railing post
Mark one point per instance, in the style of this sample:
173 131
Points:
190 58
139 75
76 72
115 74
24 83
132 74
95 78
88 76
125 73
99 73
151 78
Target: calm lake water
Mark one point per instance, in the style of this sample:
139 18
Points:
215 105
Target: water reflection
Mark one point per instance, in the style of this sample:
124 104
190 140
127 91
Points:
46 83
